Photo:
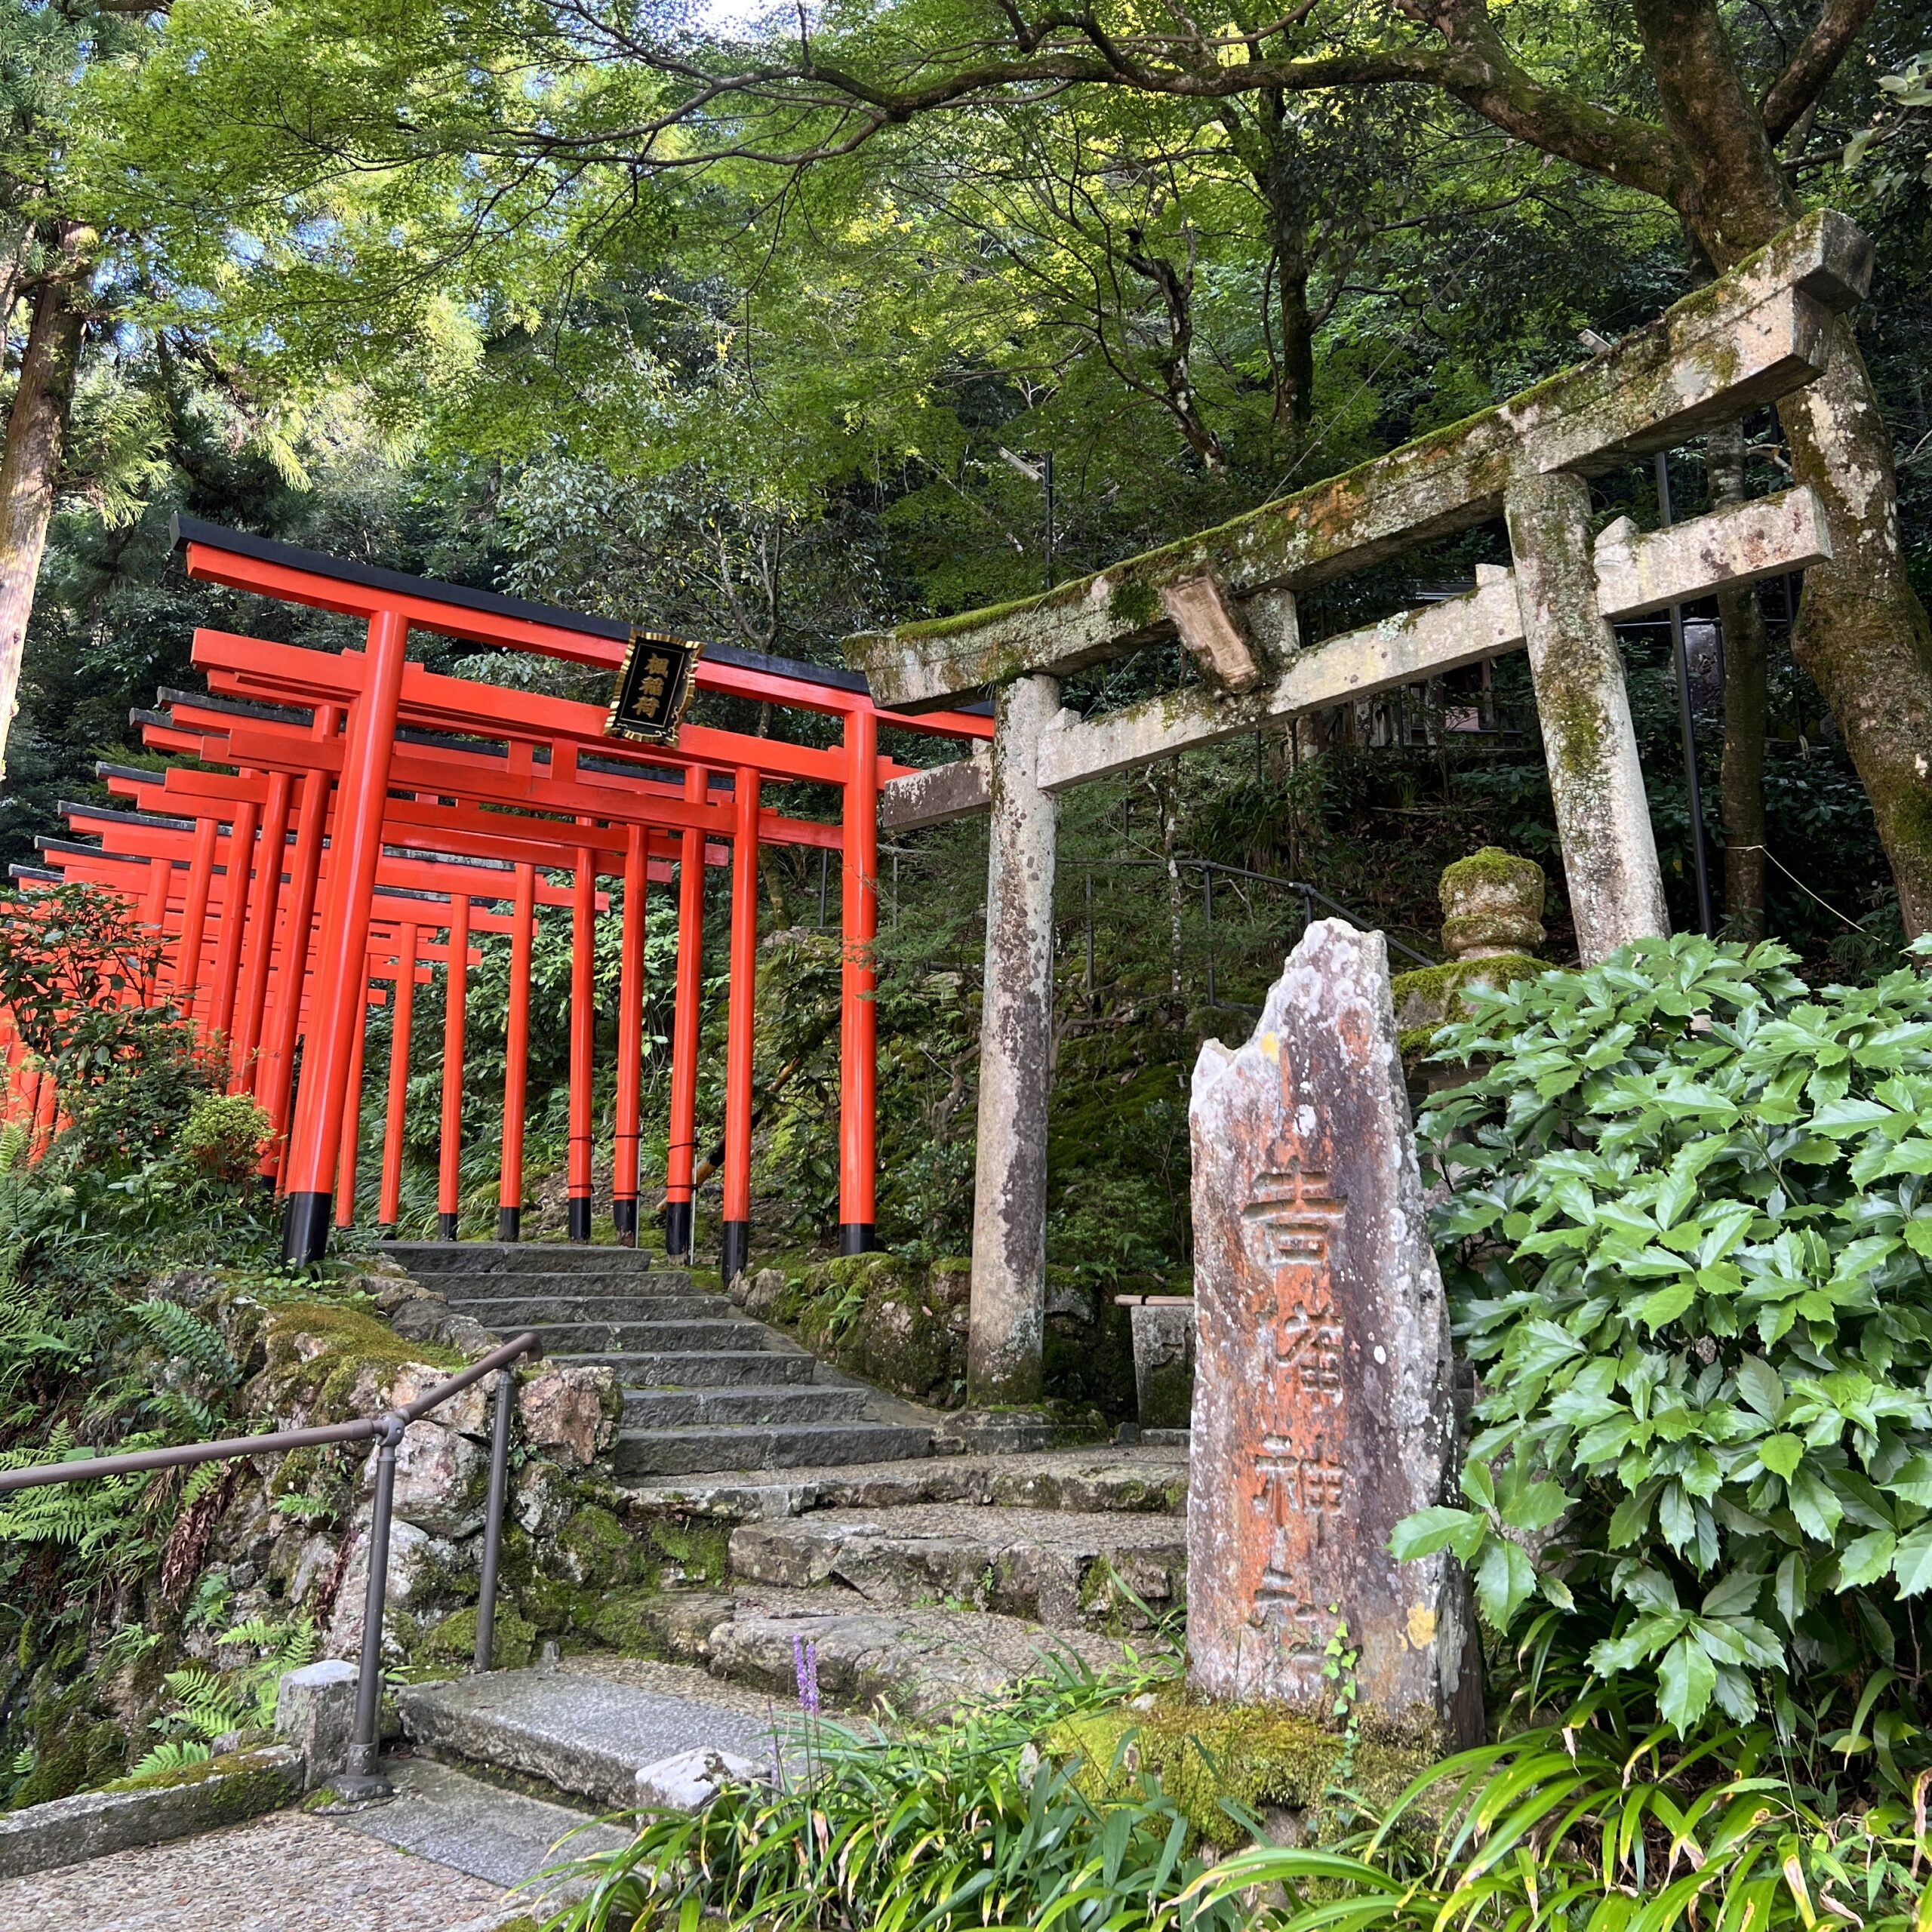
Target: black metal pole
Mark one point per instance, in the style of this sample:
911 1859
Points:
361 1779
1700 858
493 1525
1207 897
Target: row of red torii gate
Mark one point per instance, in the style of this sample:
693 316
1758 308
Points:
350 819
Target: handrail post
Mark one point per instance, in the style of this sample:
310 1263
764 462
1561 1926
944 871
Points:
361 1779
492 1525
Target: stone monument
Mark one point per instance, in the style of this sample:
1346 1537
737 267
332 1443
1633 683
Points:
1322 1401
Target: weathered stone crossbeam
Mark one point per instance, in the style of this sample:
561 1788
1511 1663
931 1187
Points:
1750 336
1635 572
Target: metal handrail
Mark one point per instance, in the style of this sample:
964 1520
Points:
361 1779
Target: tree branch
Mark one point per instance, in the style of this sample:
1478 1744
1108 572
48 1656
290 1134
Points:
1813 66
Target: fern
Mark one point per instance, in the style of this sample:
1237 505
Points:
174 1754
188 1337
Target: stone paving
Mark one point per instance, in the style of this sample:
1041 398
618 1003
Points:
291 1872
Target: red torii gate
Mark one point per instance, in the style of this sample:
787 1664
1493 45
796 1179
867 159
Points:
407 908
284 740
230 733
368 716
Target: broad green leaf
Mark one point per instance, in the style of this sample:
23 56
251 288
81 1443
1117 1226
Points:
1782 1454
1426 1532
1760 1385
1912 1566
1818 1510
1536 1508
1790 1588
1864 1559
1665 1305
1504 1580
1685 1680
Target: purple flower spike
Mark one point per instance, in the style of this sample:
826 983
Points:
798 1672
811 1696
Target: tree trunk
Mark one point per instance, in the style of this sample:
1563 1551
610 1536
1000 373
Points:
1862 634
1743 782
36 437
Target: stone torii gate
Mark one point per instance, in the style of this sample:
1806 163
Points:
1229 595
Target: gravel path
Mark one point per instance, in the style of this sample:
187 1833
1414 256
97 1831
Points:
288 1873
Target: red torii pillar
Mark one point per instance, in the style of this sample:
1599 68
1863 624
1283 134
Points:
402 1012
858 1014
456 993
583 1017
343 947
258 946
516 1059
630 1042
735 1248
275 1077
681 1155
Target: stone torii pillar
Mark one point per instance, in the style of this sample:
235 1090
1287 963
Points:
1596 782
1008 1300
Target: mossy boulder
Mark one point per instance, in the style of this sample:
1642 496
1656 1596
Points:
326 1362
895 1322
453 1641
1258 1757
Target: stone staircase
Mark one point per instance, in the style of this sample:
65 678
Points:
918 1585
705 1388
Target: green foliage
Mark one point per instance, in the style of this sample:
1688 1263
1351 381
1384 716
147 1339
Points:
1687 1248
205 1705
224 1137
967 1823
1589 1825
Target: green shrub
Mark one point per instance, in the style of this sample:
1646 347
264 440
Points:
1688 1248
969 1823
224 1137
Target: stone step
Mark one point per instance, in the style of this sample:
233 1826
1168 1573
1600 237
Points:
586 1731
709 1368
705 1408
1068 1569
922 1662
521 1309
642 1452
470 1825
423 1258
1137 1480
651 1338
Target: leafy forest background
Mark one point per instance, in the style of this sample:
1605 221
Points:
316 297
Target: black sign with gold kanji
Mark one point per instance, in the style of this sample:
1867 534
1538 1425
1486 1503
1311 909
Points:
654 687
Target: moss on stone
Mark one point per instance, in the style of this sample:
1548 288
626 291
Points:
1429 999
453 1640
1253 1755
317 1352
1491 867
1134 601
597 1548
622 1620
697 1549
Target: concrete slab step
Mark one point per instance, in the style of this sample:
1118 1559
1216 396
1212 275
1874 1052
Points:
517 1305
710 1368
920 1661
693 1408
1141 1480
447 1816
423 1258
1070 1569
579 1731
661 1337
764 1446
